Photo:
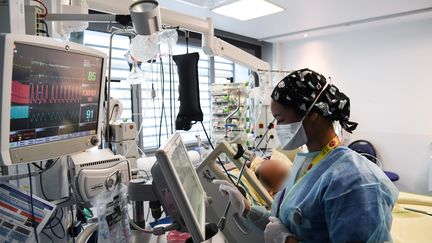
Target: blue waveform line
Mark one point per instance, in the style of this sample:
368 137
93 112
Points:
54 116
19 112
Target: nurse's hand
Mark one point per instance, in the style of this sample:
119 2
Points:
275 232
238 203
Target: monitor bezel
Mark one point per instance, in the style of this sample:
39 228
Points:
51 149
171 177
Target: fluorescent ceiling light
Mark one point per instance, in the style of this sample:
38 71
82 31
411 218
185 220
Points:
248 9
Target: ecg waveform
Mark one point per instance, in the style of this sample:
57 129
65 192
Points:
54 116
54 93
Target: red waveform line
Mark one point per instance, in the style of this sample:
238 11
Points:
55 93
20 93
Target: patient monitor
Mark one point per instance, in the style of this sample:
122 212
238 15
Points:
50 98
178 188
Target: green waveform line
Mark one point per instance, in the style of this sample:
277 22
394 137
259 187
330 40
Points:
54 116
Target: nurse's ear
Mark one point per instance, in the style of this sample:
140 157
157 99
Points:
313 117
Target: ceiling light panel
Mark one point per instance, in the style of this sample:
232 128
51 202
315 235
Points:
248 9
206 3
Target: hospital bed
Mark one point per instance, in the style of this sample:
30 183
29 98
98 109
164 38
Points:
412 215
236 229
412 219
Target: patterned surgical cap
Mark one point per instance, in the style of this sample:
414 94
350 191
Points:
300 88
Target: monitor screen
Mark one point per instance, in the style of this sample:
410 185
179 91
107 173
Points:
55 95
174 168
190 183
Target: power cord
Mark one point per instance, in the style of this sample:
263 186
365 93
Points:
47 236
31 203
114 108
59 222
44 6
73 222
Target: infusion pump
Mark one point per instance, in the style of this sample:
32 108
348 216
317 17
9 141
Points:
93 169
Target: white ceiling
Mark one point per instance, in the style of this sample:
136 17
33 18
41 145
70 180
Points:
299 15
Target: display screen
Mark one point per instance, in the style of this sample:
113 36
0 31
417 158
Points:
189 181
55 95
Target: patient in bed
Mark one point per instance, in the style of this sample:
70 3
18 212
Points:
272 174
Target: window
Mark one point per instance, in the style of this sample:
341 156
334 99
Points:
152 126
156 124
225 70
120 68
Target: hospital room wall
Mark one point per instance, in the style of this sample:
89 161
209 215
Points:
386 70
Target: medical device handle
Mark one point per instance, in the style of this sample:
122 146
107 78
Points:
225 148
239 154
241 225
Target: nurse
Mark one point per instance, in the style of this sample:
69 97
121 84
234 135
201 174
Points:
333 194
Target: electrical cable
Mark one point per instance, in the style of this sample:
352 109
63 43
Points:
74 197
40 8
112 112
50 163
18 180
59 222
73 222
44 6
39 31
174 88
46 26
47 236
37 166
171 87
31 204
220 162
54 216
187 41
62 228
42 188
41 178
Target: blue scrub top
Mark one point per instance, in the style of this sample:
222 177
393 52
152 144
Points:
345 198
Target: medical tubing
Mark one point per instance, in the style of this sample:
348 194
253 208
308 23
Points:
222 221
270 126
220 162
